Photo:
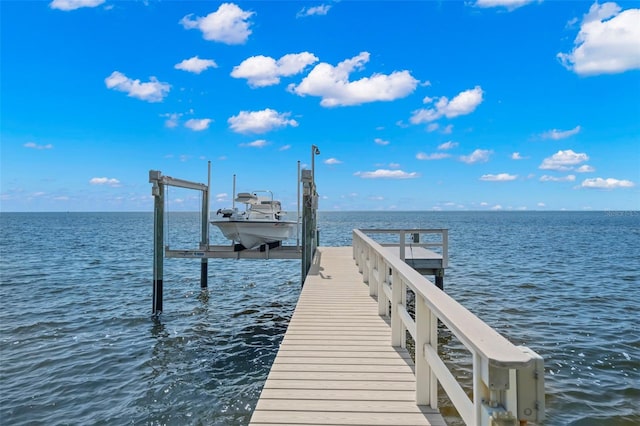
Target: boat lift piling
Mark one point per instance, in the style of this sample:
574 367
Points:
204 244
158 239
309 215
158 191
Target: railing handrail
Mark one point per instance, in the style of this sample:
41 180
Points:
474 333
397 230
443 243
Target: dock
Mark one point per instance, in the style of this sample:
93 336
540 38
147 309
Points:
343 359
336 365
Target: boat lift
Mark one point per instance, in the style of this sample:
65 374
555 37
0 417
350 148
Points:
304 251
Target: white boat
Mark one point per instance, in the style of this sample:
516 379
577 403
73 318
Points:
261 223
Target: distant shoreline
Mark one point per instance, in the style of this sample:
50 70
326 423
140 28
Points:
614 212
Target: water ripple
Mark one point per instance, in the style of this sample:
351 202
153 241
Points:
78 344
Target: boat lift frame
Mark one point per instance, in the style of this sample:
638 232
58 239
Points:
205 251
158 191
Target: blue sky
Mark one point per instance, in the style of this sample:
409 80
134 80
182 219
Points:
420 105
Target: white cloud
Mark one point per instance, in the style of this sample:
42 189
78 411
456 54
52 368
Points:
151 91
434 156
67 5
585 168
609 183
259 143
556 134
380 141
568 178
447 145
172 120
508 4
462 104
394 165
284 148
333 86
607 42
260 121
316 10
261 71
501 177
496 207
387 174
221 197
563 160
350 195
198 124
229 24
541 204
332 161
517 156
196 65
105 181
477 156
33 145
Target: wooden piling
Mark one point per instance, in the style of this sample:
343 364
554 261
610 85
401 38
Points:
204 262
307 223
158 240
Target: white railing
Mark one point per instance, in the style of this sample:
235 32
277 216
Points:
415 240
508 380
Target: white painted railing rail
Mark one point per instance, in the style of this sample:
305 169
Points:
412 241
508 380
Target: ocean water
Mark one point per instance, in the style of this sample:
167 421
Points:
78 344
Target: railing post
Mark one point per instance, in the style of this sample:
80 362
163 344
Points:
478 389
403 303
367 265
433 341
396 299
402 245
422 338
383 302
374 276
371 266
354 245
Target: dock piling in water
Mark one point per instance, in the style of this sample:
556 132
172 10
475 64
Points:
158 239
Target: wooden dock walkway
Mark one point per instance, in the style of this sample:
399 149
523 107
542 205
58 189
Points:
336 365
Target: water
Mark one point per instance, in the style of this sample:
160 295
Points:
78 344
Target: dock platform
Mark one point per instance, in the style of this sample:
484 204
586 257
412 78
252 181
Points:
336 365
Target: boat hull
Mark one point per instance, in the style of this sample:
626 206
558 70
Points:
255 233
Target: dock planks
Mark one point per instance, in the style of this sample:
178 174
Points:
336 365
